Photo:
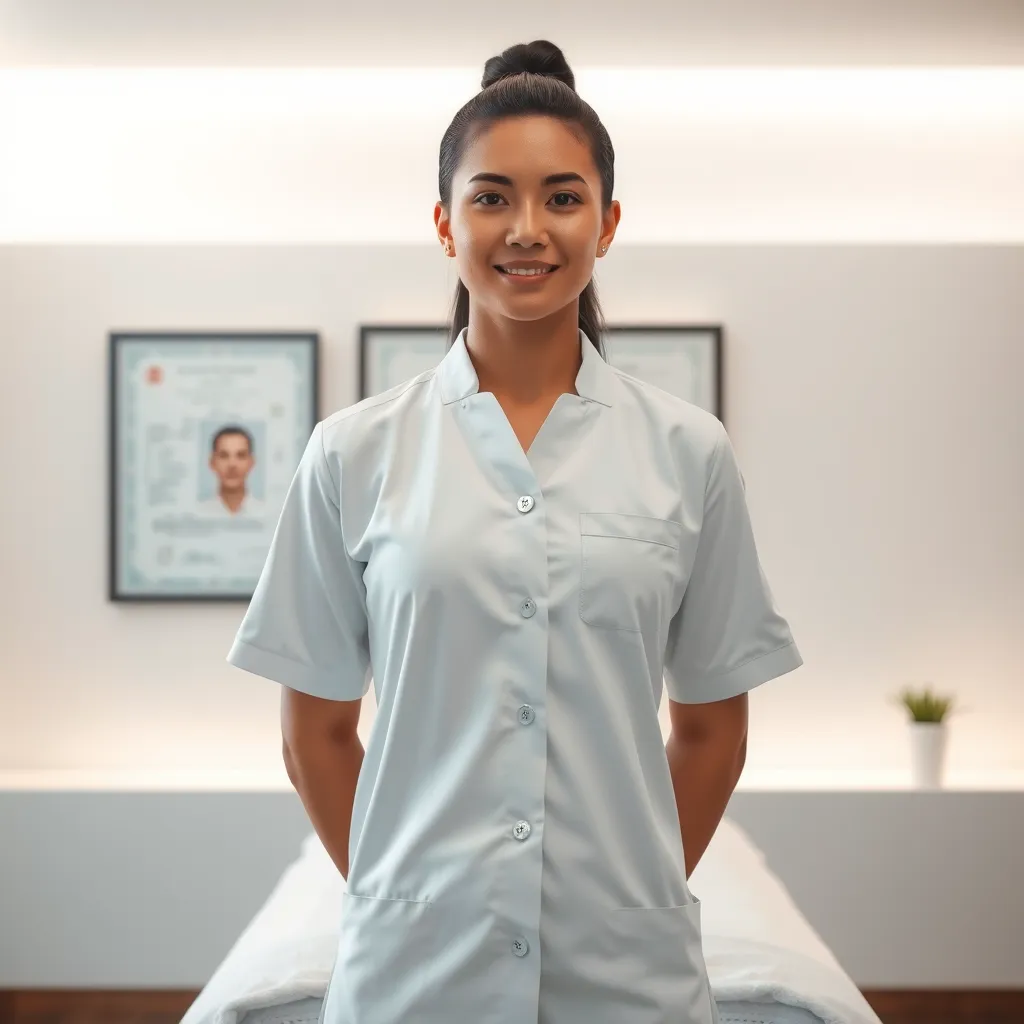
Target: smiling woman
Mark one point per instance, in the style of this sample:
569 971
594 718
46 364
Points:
526 245
525 547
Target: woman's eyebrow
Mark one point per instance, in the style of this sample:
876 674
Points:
551 179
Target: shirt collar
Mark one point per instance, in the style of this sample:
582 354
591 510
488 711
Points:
458 377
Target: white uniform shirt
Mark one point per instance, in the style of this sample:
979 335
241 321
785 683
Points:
515 853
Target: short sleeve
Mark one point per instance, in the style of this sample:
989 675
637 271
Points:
727 636
306 625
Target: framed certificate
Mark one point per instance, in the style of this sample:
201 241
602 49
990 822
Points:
206 432
390 355
685 360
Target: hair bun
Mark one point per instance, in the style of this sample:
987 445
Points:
539 58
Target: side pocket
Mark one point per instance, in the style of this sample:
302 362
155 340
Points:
654 966
384 956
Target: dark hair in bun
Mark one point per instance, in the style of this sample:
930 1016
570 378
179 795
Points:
538 58
528 79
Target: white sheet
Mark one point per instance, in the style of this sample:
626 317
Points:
757 944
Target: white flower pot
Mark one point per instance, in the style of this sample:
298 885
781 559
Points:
927 753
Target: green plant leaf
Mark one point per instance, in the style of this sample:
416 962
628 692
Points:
924 705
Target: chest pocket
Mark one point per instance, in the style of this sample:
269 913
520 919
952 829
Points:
628 569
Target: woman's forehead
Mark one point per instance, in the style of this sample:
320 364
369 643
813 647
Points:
530 151
517 131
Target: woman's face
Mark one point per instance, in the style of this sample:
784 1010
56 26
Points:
522 217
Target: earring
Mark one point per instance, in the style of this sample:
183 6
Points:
604 248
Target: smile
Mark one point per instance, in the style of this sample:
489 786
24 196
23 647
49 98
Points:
526 275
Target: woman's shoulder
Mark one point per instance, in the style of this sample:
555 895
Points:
372 419
672 416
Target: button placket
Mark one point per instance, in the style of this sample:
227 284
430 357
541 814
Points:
526 715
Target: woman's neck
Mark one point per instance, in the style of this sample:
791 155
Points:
527 362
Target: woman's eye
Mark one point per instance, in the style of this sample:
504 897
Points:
486 195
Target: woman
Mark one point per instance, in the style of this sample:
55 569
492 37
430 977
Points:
524 543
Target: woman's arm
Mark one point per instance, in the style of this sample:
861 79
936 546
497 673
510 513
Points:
323 757
706 750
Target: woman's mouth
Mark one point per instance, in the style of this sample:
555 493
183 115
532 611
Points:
526 276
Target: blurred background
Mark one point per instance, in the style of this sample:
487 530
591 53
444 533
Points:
840 187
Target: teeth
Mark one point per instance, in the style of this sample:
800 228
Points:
527 272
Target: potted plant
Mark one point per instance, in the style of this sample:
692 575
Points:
928 712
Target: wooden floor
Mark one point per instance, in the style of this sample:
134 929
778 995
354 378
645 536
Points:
89 1007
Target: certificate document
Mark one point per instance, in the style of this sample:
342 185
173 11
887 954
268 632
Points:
207 432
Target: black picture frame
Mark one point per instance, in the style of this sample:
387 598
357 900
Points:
713 335
240 361
433 336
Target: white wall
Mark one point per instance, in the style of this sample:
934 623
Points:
347 155
872 393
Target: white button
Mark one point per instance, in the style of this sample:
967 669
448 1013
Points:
525 714
525 503
520 946
527 608
522 830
